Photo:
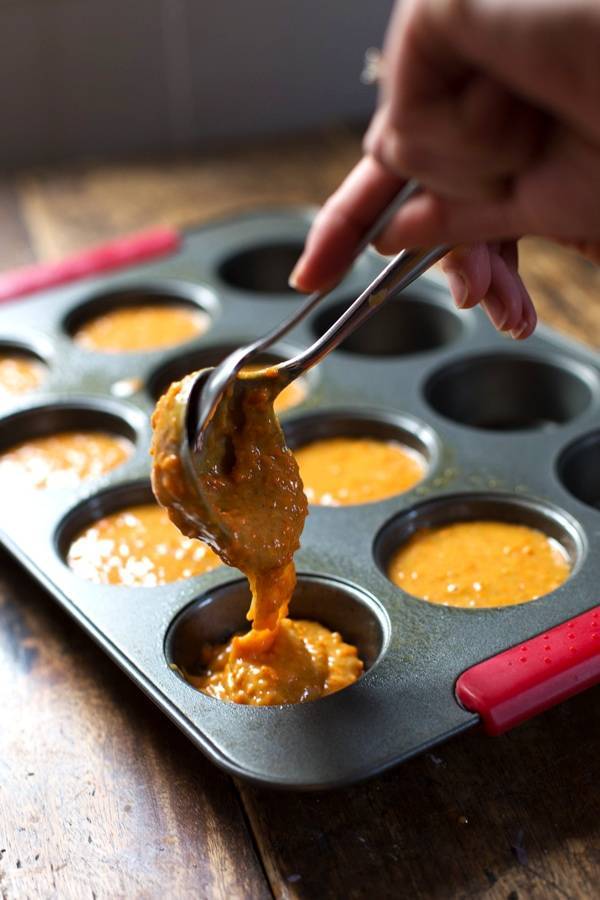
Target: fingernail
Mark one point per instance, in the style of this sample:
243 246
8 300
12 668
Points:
519 331
296 274
496 311
458 288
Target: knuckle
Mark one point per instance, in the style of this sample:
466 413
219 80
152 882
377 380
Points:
397 152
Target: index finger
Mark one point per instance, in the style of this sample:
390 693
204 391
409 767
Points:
341 223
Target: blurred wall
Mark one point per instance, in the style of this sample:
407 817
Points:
107 77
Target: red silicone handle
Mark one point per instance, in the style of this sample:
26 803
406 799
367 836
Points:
113 255
521 682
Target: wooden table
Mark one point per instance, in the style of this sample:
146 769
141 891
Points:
101 797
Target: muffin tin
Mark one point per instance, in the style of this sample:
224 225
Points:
509 431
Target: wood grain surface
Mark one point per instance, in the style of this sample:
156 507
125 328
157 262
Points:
101 797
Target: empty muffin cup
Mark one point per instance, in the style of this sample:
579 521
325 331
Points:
139 319
505 392
263 269
479 550
341 608
579 468
400 327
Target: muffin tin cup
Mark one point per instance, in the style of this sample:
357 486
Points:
410 376
497 507
167 293
510 392
219 613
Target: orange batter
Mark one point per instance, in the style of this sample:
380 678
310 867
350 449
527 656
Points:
149 327
19 374
343 471
245 497
290 396
138 547
305 661
63 460
479 564
242 494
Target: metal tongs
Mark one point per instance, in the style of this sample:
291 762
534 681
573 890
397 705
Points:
209 387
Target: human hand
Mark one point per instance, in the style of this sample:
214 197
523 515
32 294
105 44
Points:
493 106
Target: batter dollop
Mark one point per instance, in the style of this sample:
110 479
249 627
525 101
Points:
305 661
245 498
